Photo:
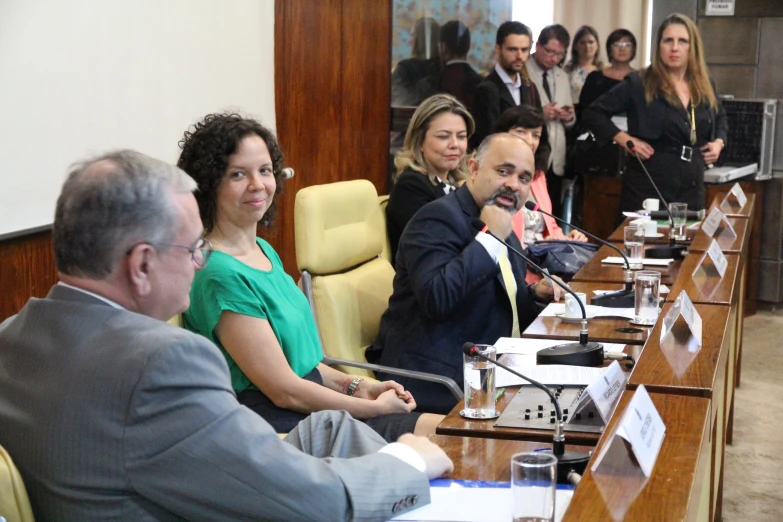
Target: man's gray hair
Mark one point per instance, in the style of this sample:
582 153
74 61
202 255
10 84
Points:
110 203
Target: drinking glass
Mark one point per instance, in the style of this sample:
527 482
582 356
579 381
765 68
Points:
533 483
646 296
634 246
679 219
480 384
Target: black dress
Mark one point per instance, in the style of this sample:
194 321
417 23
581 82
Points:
596 84
667 129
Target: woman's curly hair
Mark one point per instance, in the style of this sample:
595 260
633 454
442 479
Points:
206 147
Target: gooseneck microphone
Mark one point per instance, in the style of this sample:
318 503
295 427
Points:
569 463
659 252
583 353
619 299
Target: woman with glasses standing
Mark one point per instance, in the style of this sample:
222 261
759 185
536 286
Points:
251 309
621 49
585 59
676 124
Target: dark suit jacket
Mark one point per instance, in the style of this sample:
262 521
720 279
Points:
411 191
645 120
112 415
458 79
447 291
492 98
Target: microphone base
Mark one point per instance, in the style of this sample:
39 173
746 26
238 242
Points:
570 461
619 299
573 354
665 252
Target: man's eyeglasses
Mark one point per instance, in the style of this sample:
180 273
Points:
556 54
622 45
199 252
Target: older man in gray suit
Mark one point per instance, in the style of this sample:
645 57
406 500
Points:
112 414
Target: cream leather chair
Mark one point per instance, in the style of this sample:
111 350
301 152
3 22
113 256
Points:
14 504
340 236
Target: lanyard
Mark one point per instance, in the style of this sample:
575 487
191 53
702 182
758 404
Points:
693 125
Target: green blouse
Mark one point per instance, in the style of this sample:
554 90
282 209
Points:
227 284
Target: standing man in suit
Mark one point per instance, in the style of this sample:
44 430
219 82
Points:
457 77
456 284
112 414
555 91
508 85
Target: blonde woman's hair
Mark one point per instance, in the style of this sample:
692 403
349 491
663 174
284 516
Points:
411 155
656 79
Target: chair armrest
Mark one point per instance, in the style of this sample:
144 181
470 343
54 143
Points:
431 377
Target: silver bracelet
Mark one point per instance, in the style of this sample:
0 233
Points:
353 386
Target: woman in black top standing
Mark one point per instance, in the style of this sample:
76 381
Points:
675 120
621 50
431 162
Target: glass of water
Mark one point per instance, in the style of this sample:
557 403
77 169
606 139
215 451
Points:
679 218
533 483
647 291
480 384
634 246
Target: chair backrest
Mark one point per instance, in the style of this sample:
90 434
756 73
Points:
14 503
383 201
340 235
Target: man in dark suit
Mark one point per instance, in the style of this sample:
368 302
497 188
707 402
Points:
453 283
457 77
508 85
112 414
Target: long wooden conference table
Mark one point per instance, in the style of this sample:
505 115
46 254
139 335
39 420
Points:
692 387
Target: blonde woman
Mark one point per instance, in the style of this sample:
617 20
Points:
675 121
585 59
431 162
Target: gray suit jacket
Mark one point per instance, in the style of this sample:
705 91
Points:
112 415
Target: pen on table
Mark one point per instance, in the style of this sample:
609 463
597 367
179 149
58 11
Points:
499 393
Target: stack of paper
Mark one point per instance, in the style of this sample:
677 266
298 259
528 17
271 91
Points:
645 261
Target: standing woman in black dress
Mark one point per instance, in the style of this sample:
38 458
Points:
675 120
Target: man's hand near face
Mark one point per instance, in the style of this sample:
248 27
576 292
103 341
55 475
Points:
498 221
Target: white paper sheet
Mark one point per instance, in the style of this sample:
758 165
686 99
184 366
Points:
476 504
554 374
645 261
523 346
663 290
593 311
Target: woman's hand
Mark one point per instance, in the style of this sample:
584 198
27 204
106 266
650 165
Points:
390 402
642 148
711 151
575 235
371 390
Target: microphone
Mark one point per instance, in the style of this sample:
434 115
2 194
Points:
569 463
583 353
659 252
619 299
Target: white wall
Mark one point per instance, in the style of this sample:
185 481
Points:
84 76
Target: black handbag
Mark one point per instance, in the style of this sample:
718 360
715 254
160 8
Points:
561 258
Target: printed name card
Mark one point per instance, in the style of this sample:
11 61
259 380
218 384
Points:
717 220
602 394
735 196
642 427
682 307
715 254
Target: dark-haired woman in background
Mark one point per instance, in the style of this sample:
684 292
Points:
585 59
621 50
251 309
675 120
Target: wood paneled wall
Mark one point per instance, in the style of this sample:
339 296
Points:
26 270
332 96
